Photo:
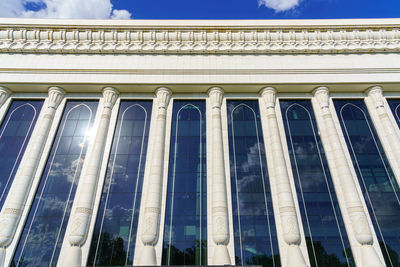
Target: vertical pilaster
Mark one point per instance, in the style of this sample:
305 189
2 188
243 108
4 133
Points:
152 208
80 219
393 143
219 206
15 202
287 210
4 94
353 204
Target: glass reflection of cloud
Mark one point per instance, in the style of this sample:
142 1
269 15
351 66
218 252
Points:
313 185
56 202
16 112
249 180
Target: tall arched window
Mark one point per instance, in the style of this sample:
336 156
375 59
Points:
114 236
44 229
185 230
15 132
375 176
253 217
326 236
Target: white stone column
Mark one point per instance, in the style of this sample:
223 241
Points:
12 210
375 94
287 210
4 94
219 206
353 204
154 187
80 219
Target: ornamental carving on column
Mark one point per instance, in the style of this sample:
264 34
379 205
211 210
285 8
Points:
110 96
4 94
268 94
375 93
216 94
56 94
163 96
322 95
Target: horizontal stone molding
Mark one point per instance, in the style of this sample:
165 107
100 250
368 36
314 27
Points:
199 39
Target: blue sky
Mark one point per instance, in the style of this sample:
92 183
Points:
251 9
205 9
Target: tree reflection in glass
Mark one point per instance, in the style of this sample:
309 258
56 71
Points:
114 237
253 217
375 175
185 231
326 237
15 132
44 229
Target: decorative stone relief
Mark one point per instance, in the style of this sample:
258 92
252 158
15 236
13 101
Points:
375 93
110 95
56 94
197 39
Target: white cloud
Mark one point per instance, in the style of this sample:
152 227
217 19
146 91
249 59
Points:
64 9
120 14
279 5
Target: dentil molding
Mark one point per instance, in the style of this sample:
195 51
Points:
198 38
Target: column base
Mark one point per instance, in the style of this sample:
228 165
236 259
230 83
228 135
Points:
73 257
221 255
369 257
295 257
148 256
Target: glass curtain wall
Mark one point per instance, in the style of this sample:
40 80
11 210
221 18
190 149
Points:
15 132
375 176
326 237
253 216
114 236
185 230
44 229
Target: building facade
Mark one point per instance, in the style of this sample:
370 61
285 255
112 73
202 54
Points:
145 143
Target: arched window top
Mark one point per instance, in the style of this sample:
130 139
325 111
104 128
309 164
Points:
297 112
134 111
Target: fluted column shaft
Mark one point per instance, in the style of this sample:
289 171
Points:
287 210
354 207
219 206
152 208
15 202
375 94
81 218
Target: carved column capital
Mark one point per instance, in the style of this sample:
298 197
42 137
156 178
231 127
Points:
109 96
375 92
216 94
268 94
163 96
4 94
322 95
56 94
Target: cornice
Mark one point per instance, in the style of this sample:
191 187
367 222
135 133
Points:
200 37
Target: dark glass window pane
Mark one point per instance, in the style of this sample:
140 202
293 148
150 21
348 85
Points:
376 178
44 229
253 220
114 236
326 237
185 230
15 132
